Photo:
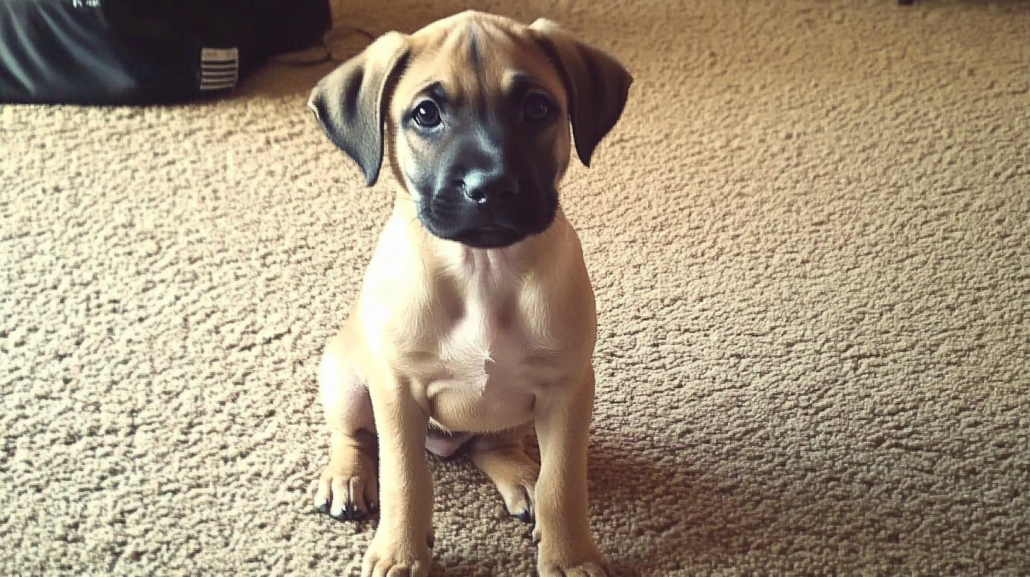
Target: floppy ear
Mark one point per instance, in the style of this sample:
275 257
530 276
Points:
351 102
597 84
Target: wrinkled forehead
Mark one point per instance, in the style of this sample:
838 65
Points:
474 60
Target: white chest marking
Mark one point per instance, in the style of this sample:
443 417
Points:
479 350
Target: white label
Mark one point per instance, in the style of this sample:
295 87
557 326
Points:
219 68
219 54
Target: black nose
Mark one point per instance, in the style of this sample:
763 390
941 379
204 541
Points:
484 187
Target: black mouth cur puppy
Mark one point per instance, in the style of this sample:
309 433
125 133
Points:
476 318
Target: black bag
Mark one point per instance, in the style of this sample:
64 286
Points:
128 52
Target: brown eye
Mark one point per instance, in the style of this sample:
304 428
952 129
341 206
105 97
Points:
536 108
426 114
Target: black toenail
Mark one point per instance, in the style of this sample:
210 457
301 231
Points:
324 507
525 516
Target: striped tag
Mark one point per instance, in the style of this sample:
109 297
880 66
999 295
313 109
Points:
219 68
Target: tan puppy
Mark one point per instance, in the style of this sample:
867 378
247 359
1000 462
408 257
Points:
476 318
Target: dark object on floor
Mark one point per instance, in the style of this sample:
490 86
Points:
906 2
129 52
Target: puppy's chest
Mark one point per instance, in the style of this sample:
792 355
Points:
493 358
485 349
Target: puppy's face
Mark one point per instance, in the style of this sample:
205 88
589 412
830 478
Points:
476 111
479 132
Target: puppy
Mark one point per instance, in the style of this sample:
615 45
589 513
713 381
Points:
476 317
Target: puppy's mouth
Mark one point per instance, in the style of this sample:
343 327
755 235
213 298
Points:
483 227
488 236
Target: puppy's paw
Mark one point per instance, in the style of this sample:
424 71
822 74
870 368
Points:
586 569
559 562
347 489
514 475
391 557
517 491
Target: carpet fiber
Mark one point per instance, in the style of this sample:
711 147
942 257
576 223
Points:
809 242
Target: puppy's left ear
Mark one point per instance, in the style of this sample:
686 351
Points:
597 84
351 102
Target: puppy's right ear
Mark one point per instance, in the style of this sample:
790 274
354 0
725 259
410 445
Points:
351 102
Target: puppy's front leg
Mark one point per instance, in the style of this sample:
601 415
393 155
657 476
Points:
400 547
562 528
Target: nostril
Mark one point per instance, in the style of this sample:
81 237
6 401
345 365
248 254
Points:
476 195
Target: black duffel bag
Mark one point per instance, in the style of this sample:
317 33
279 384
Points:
128 52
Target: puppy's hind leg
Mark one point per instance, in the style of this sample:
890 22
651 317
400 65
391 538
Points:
502 457
347 488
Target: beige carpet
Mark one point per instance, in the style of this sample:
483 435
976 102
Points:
810 240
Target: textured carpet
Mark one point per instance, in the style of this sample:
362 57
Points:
810 241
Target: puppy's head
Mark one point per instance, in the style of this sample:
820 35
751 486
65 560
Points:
475 110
